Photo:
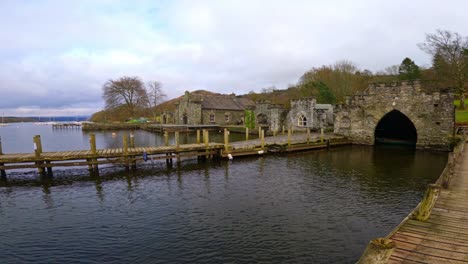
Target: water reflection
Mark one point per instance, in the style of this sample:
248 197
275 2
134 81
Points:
310 207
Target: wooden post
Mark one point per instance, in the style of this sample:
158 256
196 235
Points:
308 135
198 136
246 133
424 210
2 172
378 251
132 146
321 135
125 150
206 137
259 132
37 153
283 130
176 138
226 139
166 138
262 138
274 132
93 166
289 137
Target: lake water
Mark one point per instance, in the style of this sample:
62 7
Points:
309 207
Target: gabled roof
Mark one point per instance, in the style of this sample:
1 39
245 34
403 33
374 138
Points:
226 102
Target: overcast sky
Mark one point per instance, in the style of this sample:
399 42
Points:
56 55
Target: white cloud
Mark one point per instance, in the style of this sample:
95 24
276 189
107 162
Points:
55 55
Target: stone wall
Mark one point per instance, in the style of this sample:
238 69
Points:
189 106
235 117
275 115
432 113
317 117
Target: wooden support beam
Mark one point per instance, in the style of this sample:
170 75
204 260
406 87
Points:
321 135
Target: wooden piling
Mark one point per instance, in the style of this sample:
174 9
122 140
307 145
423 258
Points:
132 146
37 154
176 138
321 135
125 150
226 139
378 251
262 138
425 207
2 172
93 166
198 136
246 133
166 138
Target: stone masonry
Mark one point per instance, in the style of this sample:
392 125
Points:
431 112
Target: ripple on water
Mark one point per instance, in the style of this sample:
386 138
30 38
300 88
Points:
318 207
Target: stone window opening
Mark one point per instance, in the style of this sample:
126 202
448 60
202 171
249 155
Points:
226 118
212 118
302 121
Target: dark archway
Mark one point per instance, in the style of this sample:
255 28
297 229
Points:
185 119
396 128
262 119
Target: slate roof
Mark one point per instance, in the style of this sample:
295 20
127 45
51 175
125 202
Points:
226 102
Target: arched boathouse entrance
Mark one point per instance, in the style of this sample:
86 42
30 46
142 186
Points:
396 128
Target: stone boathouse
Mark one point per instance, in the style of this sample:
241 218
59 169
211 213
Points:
398 112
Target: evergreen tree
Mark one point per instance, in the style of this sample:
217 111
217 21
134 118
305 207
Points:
408 70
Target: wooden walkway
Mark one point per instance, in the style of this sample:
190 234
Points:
443 237
130 155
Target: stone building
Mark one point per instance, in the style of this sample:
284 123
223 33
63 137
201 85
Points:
271 116
401 112
306 113
196 109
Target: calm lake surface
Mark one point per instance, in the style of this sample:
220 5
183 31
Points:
310 207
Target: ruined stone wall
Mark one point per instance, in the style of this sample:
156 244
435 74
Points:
302 107
432 113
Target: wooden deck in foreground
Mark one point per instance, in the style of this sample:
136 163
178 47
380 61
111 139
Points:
443 238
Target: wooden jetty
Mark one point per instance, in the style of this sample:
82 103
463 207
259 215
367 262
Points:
436 231
129 155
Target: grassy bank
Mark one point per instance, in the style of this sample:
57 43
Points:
461 116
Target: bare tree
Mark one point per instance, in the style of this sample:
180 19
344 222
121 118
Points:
450 59
155 95
125 91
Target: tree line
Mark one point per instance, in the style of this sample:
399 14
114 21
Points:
130 97
331 83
